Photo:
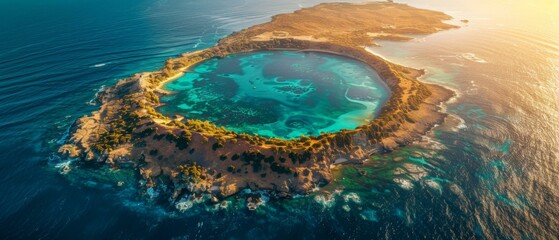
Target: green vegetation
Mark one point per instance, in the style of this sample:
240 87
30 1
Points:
192 173
181 141
120 128
269 159
151 97
253 158
153 152
216 146
275 167
300 158
146 132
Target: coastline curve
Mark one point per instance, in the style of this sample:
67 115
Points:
199 157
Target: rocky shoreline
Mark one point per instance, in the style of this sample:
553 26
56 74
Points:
188 156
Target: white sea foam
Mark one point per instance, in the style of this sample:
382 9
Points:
64 136
100 65
352 197
326 202
433 184
64 167
458 64
473 89
184 205
431 143
472 57
455 123
462 125
404 183
415 171
93 101
188 202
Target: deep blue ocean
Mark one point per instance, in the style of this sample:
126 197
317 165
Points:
491 171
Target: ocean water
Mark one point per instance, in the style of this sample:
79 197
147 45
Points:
279 94
490 172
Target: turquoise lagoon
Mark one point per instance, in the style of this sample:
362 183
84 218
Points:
281 94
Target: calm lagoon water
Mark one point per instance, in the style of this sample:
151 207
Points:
491 172
279 94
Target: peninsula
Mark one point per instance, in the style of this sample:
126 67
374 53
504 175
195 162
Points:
189 156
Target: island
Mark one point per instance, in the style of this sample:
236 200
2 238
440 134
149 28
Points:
186 157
